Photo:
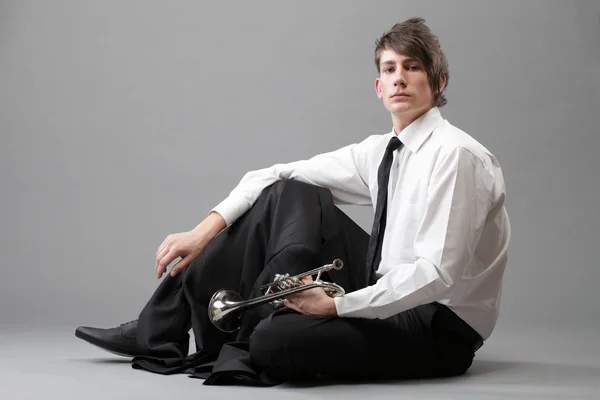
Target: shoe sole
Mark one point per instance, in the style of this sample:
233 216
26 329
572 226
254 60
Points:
91 340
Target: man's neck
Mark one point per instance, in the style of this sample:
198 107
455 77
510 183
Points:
400 122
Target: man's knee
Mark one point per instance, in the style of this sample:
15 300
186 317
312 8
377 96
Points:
272 345
264 343
290 186
191 275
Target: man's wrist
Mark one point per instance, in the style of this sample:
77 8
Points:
212 225
333 308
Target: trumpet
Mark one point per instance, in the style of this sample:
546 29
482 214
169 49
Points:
226 306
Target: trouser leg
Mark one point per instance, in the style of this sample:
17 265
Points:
294 346
283 232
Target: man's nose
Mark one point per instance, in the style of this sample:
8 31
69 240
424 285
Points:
399 80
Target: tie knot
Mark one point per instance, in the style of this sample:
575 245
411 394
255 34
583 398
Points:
393 144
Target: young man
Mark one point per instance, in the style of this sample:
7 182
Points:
422 291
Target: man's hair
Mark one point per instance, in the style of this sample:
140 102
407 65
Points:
412 38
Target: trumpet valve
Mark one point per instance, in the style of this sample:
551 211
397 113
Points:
279 277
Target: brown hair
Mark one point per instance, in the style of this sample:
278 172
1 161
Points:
413 38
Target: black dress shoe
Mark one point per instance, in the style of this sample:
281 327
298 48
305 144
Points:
120 340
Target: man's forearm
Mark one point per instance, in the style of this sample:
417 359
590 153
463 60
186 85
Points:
211 226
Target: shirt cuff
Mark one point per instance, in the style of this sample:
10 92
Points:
355 304
231 208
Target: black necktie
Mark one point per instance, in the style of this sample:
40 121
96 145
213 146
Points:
383 177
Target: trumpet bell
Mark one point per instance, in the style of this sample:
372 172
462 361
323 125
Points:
220 306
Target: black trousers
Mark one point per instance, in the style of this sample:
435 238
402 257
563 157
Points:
293 227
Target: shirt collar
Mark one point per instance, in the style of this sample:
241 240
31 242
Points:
415 134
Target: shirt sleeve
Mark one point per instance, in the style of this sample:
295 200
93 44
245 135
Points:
343 171
458 201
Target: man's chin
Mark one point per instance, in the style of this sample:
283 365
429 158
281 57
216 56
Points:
407 110
401 109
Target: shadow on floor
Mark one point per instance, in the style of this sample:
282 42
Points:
103 360
530 372
497 372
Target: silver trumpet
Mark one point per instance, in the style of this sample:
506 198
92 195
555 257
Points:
227 306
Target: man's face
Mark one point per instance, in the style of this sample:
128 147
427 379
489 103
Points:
403 86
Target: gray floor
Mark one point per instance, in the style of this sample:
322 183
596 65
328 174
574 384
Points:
53 364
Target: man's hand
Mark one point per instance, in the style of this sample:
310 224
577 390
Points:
312 301
187 245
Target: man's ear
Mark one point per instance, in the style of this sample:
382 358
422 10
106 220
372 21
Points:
442 83
378 88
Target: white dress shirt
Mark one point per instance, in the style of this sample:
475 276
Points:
447 229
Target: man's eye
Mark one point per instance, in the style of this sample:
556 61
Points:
388 70
413 67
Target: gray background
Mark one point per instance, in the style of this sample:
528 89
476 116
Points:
124 121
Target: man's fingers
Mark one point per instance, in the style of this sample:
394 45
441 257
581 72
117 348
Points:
180 266
160 256
163 245
162 250
291 305
288 304
164 262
